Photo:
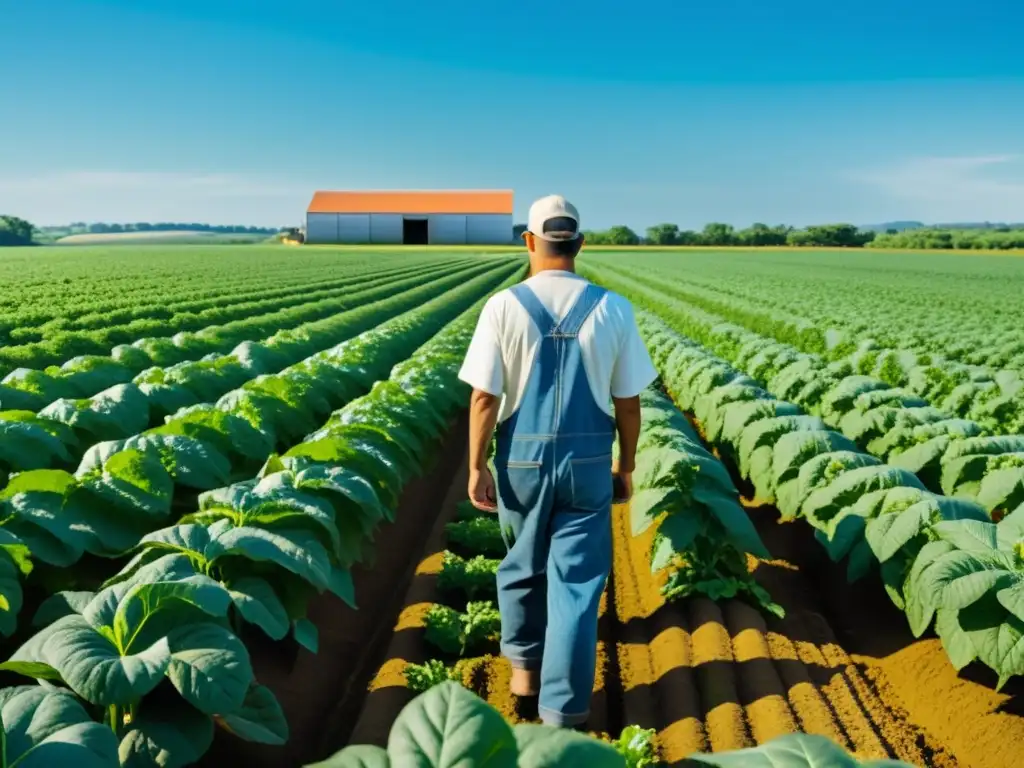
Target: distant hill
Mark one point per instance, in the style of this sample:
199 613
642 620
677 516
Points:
903 226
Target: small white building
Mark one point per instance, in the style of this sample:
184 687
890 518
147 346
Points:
443 217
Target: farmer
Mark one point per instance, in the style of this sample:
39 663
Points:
557 364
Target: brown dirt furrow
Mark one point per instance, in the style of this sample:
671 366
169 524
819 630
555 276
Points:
902 742
656 660
761 690
836 688
812 710
716 675
683 730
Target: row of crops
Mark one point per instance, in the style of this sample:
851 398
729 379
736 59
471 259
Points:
183 483
138 667
888 481
162 498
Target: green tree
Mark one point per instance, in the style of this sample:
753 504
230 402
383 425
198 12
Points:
15 231
717 233
662 234
622 235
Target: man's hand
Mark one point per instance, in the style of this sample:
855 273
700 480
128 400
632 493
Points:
482 493
622 483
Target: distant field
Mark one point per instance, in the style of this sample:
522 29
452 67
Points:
177 237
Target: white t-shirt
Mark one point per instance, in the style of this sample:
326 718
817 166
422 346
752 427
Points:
501 354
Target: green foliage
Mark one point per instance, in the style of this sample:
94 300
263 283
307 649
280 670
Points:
478 534
719 234
932 238
15 231
449 726
453 632
636 745
474 577
422 677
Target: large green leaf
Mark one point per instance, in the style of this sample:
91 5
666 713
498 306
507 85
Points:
543 746
356 756
256 600
259 719
797 750
91 664
210 667
167 734
135 480
449 726
298 551
44 728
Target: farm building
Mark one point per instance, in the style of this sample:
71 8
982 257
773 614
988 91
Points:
448 217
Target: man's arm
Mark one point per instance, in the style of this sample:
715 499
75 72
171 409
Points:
632 374
483 416
484 371
627 423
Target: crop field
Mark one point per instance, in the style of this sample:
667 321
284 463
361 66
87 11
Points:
233 528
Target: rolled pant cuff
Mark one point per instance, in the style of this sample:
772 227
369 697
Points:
560 719
520 663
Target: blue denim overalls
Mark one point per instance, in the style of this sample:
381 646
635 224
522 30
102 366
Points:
553 463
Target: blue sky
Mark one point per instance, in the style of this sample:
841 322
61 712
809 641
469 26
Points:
642 112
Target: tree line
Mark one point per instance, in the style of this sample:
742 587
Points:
15 231
719 234
820 236
1001 238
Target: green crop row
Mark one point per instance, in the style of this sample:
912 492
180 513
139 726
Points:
124 488
703 534
126 342
84 376
188 315
993 398
149 664
949 455
939 557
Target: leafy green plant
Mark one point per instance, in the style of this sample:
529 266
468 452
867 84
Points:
449 721
163 625
636 745
44 728
478 534
454 632
474 577
795 750
685 492
422 677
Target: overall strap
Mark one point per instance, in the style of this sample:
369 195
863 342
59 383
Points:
586 303
534 308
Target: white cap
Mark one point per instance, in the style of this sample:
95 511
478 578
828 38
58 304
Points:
554 218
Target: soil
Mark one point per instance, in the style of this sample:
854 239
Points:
706 676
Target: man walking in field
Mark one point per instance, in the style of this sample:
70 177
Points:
557 364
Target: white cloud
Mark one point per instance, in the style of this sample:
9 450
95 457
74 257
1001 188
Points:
59 198
951 189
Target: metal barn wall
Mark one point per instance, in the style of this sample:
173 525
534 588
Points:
446 229
321 227
489 229
386 228
353 228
